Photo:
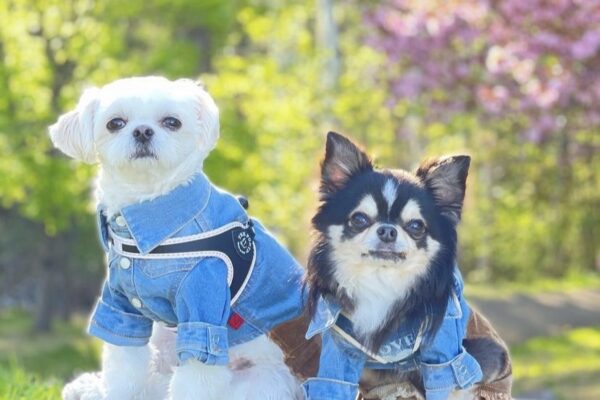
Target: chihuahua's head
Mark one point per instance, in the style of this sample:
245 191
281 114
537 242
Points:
141 129
390 229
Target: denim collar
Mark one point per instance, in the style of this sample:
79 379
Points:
327 313
151 222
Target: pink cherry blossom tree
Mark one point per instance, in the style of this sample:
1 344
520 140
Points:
528 74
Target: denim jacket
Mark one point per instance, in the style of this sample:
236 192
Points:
191 293
442 360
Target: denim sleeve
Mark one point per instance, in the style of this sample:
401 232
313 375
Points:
340 368
202 308
117 322
445 364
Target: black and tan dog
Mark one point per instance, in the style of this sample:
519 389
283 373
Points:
385 292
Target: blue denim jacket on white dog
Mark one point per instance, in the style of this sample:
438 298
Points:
191 292
443 361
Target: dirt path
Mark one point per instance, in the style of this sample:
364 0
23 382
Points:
520 317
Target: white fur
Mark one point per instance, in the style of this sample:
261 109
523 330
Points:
150 372
368 206
266 376
195 380
390 192
125 371
256 371
83 135
411 211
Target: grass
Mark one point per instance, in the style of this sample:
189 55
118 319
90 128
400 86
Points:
566 364
16 384
34 366
569 283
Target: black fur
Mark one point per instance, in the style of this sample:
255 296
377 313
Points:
446 179
342 188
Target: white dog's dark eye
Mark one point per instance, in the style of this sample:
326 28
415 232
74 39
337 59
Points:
171 123
415 227
116 124
360 220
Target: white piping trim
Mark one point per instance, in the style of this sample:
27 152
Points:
358 345
181 239
376 357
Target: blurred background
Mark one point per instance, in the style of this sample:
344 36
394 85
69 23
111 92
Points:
515 84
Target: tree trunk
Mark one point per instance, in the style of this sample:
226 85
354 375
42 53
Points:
327 34
49 289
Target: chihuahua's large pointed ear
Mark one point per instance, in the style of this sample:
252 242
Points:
343 159
446 178
73 133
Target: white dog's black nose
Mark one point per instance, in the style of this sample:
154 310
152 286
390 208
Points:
387 233
143 133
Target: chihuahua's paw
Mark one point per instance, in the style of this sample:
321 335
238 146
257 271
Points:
88 386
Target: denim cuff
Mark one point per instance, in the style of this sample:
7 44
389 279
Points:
462 371
327 389
118 327
442 394
204 342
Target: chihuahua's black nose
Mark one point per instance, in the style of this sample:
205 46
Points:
143 133
387 233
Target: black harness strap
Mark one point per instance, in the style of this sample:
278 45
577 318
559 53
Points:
236 243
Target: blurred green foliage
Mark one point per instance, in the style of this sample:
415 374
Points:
281 82
67 350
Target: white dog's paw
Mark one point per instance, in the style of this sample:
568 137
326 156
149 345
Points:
157 387
87 386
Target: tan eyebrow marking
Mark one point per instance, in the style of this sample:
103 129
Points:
411 210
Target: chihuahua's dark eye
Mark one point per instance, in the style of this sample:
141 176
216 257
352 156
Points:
415 227
171 123
116 124
360 220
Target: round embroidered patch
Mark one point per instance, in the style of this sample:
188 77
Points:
243 243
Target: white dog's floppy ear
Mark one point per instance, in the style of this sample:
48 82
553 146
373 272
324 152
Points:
207 112
73 133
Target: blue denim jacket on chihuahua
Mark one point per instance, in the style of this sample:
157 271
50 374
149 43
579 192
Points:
442 360
191 292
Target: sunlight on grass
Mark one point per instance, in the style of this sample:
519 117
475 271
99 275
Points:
59 354
568 364
16 384
569 283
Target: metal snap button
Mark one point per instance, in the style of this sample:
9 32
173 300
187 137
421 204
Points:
125 263
137 303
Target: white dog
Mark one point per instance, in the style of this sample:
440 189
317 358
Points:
181 253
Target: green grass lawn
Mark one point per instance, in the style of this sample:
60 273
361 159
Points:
567 364
35 366
16 384
569 283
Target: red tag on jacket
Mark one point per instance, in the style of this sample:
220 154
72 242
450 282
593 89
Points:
235 321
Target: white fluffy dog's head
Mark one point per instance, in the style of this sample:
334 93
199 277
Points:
148 133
